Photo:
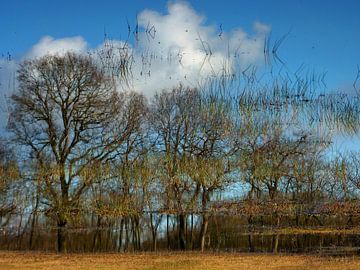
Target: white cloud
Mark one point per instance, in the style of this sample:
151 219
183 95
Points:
7 86
49 45
180 47
172 48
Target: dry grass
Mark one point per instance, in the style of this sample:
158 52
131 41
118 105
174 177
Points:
168 261
353 230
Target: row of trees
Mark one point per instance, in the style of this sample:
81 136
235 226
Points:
124 167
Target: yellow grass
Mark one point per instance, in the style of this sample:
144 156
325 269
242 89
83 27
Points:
168 261
294 231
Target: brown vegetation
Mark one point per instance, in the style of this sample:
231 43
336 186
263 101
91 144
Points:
159 261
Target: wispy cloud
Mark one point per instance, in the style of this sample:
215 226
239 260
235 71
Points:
7 85
176 47
49 45
180 46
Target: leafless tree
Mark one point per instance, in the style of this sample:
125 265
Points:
70 116
9 172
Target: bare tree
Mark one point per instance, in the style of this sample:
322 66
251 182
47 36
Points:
9 172
69 115
191 127
173 117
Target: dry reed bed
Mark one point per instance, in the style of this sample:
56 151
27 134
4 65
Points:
162 261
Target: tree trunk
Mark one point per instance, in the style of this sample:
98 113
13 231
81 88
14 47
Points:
153 231
250 236
32 229
276 243
121 234
136 221
182 241
19 234
203 231
127 236
97 236
168 232
192 232
61 236
34 219
61 219
276 236
154 240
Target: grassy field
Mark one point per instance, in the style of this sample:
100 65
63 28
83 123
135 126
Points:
20 260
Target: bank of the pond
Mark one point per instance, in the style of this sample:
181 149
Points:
162 261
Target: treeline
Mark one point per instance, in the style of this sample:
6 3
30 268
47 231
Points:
223 165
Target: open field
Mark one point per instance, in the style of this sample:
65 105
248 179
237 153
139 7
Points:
193 260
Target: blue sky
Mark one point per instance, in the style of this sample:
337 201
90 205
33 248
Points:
325 35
